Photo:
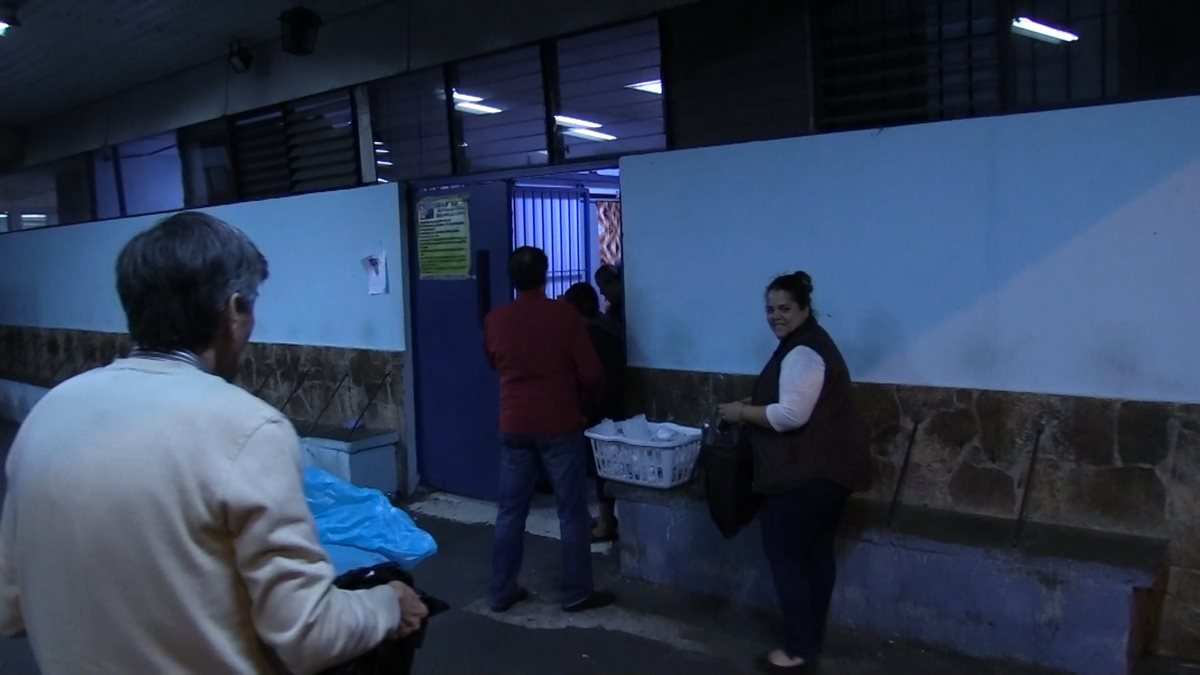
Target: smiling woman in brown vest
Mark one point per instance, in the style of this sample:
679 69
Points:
810 453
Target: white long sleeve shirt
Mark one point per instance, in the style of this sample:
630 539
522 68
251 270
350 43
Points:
801 376
155 522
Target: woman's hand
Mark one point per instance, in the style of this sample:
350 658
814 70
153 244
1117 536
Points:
741 412
732 412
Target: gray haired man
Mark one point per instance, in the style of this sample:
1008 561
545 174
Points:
155 519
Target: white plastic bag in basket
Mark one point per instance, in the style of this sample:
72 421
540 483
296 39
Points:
636 428
665 434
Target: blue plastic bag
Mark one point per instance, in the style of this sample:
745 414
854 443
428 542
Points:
351 517
347 558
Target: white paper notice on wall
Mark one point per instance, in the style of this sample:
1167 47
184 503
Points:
375 266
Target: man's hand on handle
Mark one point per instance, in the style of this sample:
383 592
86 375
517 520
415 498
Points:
413 612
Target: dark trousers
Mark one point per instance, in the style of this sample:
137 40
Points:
520 462
798 529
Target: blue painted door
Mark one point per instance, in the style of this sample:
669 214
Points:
456 392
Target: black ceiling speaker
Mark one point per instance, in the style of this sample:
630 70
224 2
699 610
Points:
299 26
240 58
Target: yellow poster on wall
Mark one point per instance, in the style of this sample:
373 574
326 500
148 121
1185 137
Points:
444 237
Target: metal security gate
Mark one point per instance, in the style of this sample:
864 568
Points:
556 221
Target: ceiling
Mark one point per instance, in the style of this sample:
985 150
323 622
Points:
69 52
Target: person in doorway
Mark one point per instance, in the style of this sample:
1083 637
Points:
155 519
540 349
610 405
611 283
810 452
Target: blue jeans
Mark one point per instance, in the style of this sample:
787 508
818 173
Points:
798 530
565 462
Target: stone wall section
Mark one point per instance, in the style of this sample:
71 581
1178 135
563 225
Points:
49 356
1129 467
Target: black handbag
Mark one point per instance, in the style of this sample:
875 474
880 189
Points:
729 478
392 657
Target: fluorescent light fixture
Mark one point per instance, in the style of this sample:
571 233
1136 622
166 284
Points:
381 180
476 108
378 143
382 151
590 135
1026 26
649 86
34 216
459 96
382 162
8 18
576 123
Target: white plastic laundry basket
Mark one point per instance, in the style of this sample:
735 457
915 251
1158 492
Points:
651 463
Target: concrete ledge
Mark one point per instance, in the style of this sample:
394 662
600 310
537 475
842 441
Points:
864 515
1062 598
367 459
339 439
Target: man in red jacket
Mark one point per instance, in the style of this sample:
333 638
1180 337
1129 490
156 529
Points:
546 363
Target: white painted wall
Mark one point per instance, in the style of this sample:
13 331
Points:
1055 252
64 277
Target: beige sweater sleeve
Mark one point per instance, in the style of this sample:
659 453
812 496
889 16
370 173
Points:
296 609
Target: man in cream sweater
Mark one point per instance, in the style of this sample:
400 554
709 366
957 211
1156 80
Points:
155 520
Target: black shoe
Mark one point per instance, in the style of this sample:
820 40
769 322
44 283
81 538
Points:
596 600
604 538
520 596
611 535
